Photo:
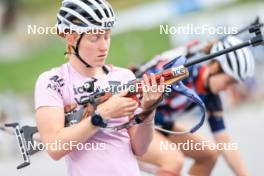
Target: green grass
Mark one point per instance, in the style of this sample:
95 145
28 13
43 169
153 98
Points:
132 47
137 46
20 76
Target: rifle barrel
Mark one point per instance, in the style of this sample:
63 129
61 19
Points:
212 56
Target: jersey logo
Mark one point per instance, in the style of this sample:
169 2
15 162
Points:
56 79
55 84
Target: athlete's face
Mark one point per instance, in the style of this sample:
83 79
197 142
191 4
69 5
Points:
94 47
220 82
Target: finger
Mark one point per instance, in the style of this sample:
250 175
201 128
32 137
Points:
130 104
162 81
123 93
153 79
146 80
154 86
162 84
145 95
70 107
129 114
131 117
132 108
146 86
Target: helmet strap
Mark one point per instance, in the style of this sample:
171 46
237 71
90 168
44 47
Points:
76 50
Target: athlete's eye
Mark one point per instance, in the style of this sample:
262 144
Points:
94 38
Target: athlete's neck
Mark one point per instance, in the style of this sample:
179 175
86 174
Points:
95 72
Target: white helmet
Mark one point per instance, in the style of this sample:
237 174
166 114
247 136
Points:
85 15
239 64
82 16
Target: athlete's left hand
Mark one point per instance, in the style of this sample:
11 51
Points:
152 92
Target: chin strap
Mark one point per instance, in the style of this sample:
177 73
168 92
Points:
76 51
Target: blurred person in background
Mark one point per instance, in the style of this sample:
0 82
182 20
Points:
208 81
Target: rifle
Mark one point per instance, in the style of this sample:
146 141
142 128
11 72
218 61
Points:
174 72
192 51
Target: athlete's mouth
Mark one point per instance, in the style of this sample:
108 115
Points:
102 55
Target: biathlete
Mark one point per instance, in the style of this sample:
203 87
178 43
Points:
86 27
208 81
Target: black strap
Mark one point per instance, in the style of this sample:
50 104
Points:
105 69
76 50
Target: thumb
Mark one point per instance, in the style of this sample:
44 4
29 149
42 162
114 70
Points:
131 116
123 93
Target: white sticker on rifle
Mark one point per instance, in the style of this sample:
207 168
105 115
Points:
177 71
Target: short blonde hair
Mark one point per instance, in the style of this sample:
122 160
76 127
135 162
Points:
69 51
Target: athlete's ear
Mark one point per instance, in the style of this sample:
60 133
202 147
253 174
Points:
71 38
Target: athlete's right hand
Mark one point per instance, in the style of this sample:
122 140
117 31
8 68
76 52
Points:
117 106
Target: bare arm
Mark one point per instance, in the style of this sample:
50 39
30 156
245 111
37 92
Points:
50 122
141 135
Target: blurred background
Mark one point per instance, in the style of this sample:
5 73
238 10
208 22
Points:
136 38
